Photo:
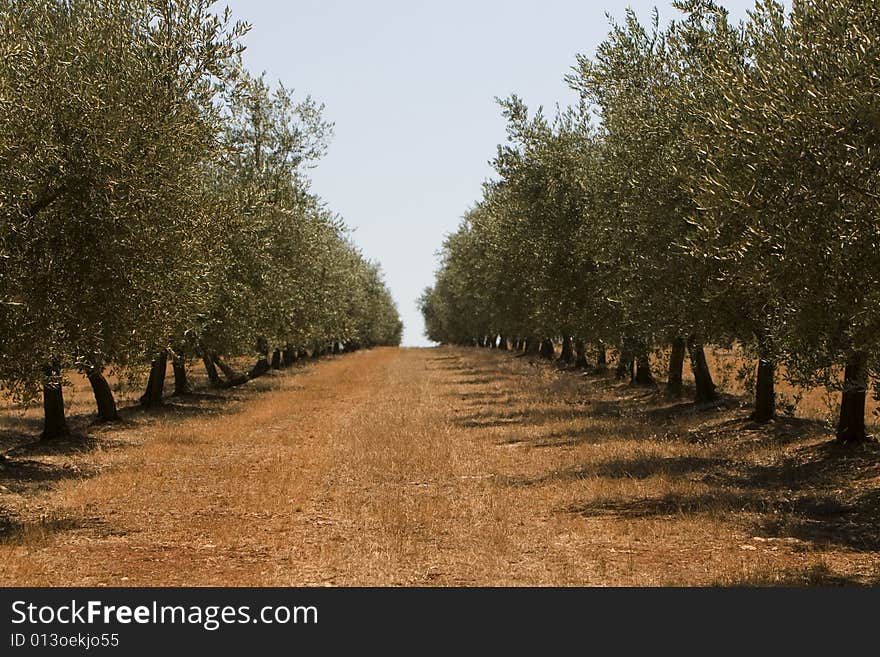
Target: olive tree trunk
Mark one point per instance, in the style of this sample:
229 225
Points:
211 369
643 376
107 411
233 378
625 366
674 378
181 382
567 355
851 424
705 387
54 421
601 357
156 384
580 350
260 367
765 393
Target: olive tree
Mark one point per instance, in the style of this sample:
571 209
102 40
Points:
107 123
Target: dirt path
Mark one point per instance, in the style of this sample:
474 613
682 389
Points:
414 467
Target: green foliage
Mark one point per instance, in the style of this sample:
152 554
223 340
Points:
153 196
728 190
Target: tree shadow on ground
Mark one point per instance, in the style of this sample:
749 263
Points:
636 403
202 400
823 494
479 381
785 480
204 396
624 430
26 476
21 433
483 399
176 407
816 575
780 432
29 464
15 531
493 417
487 422
445 359
86 431
78 442
461 366
635 468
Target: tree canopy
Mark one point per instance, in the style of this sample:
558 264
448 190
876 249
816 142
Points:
717 182
155 200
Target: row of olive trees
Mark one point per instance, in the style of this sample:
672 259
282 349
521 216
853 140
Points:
154 205
717 182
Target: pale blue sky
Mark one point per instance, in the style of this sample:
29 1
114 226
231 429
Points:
411 88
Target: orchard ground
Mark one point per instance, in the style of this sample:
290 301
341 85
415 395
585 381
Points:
439 466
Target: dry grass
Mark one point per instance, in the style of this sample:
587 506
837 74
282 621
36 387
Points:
442 467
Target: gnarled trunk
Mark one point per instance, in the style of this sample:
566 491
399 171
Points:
260 367
567 355
674 377
705 387
107 411
580 350
765 393
643 376
851 423
233 378
533 345
156 384
547 350
54 421
288 356
181 382
276 359
502 343
601 357
625 366
211 369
